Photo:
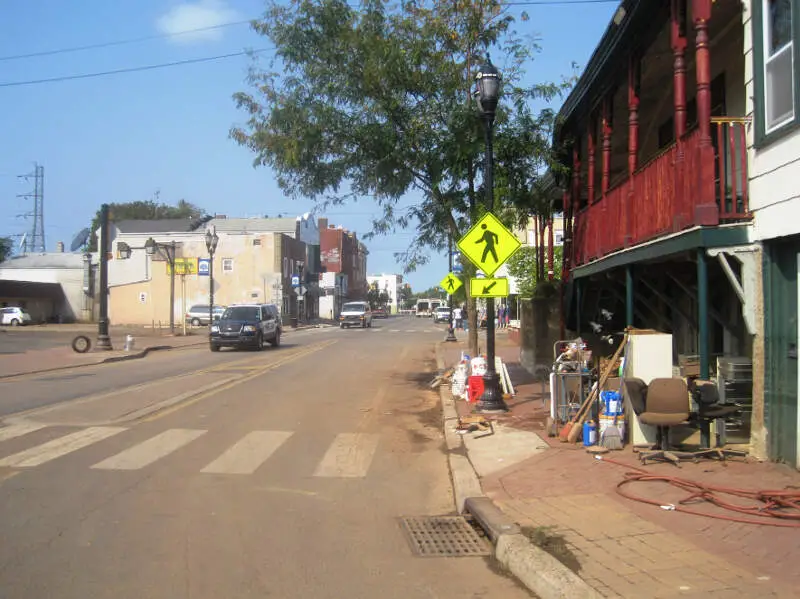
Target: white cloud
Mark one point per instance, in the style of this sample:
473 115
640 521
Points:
189 16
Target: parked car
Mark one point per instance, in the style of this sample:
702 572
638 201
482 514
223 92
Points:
380 312
441 314
247 325
198 314
355 314
14 316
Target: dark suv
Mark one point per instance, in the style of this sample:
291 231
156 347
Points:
247 325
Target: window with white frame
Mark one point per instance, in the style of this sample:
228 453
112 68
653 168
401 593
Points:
227 265
778 44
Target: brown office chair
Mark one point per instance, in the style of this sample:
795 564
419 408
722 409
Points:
663 403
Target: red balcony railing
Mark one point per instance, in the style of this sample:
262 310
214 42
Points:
663 194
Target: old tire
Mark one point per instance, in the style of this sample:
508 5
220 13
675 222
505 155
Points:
81 344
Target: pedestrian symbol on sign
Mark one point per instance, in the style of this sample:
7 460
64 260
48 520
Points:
490 239
451 283
488 244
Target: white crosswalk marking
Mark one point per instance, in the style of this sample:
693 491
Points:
349 456
149 451
17 430
59 447
245 456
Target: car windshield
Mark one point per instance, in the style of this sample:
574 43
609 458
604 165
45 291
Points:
241 313
354 308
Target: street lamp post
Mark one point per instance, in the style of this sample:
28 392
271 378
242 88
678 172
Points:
103 339
211 245
451 336
488 79
167 250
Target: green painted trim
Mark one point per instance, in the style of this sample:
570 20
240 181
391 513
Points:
702 313
704 237
762 139
629 297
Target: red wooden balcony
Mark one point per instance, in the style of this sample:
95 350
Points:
662 195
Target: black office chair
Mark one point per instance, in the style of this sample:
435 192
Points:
706 395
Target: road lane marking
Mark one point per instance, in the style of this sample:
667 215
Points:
60 447
267 367
349 456
149 451
17 430
247 454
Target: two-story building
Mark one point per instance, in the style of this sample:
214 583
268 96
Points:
658 224
255 261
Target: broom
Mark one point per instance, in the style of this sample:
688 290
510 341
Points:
611 438
574 427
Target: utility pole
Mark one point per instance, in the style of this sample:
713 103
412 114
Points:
35 240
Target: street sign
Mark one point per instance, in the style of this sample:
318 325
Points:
184 266
301 290
203 267
488 287
488 244
295 281
451 283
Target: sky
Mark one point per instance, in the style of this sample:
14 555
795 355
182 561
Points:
164 132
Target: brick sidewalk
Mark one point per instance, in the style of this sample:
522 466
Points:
626 548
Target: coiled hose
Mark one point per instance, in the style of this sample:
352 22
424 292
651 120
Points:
769 508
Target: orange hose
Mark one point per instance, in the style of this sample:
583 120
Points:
771 508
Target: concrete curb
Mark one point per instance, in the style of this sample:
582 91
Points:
536 569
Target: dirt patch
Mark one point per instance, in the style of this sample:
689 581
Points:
554 544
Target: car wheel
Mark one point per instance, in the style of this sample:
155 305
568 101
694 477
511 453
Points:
195 322
341 325
214 347
277 340
14 322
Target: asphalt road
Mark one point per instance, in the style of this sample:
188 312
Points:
286 483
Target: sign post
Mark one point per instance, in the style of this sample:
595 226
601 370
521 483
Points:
488 245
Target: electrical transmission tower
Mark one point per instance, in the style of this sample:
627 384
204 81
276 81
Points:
34 241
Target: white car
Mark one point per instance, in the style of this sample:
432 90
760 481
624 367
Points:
441 314
14 316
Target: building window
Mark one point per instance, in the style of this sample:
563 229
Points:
775 41
227 265
256 242
778 72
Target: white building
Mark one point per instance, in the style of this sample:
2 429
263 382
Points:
772 53
50 287
391 285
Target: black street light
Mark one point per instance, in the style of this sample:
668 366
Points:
488 94
167 251
103 338
211 244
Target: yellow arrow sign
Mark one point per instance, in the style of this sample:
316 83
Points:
488 244
488 287
451 283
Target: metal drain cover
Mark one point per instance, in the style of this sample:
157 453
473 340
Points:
443 536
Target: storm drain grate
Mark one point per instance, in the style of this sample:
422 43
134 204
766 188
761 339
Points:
443 536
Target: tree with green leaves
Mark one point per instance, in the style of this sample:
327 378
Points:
375 101
528 268
144 210
6 248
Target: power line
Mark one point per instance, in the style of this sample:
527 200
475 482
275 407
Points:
147 38
124 42
149 67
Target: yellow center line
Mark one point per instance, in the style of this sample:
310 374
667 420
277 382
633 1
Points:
264 369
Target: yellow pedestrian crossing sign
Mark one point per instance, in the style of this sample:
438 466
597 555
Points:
451 283
488 244
488 287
